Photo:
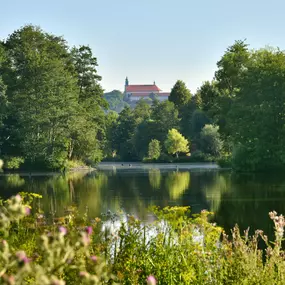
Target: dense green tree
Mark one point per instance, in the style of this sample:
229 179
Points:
209 94
154 149
186 114
123 134
180 94
176 143
165 116
257 116
3 98
42 93
145 132
116 101
88 134
231 67
210 140
198 121
142 111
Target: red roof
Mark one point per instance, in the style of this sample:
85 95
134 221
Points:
142 88
148 93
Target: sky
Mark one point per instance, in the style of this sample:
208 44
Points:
152 40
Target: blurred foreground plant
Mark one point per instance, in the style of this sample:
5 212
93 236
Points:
175 249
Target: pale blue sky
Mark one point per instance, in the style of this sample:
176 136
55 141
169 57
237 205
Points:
150 40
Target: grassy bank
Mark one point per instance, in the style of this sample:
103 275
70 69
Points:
175 249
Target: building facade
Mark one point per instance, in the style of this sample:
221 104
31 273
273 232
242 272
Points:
137 92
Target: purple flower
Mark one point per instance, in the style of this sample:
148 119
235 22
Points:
28 211
89 230
63 230
94 258
22 257
151 280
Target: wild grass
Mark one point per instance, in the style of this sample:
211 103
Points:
175 249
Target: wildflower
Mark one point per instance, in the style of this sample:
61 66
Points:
10 279
22 258
94 258
151 280
63 230
18 198
83 274
89 230
28 211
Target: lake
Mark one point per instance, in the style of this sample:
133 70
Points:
130 188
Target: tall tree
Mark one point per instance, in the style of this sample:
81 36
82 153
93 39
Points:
257 116
88 136
154 149
3 98
42 92
231 67
142 111
165 116
123 134
180 94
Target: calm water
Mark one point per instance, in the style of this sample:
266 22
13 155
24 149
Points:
242 199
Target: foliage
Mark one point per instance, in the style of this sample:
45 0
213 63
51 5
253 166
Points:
165 116
257 115
154 149
210 141
198 120
225 161
180 94
55 102
176 143
175 249
13 162
116 101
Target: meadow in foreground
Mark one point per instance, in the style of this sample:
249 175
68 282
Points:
175 249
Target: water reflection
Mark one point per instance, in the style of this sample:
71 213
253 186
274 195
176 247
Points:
154 177
242 199
177 183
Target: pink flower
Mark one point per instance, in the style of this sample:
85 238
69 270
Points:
89 230
83 274
18 198
22 257
28 211
151 280
94 258
63 230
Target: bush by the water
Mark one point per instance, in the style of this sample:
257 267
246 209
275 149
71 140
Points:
13 162
175 249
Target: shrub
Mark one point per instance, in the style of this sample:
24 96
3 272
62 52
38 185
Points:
13 162
210 140
225 161
176 249
154 150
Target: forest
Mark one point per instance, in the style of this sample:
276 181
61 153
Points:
54 113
